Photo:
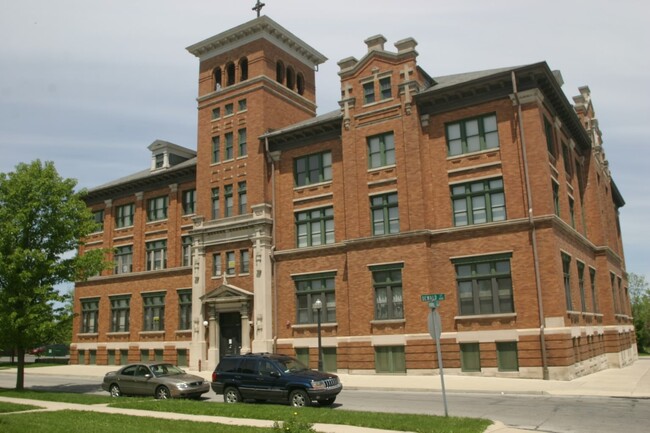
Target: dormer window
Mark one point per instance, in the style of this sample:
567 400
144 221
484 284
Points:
159 160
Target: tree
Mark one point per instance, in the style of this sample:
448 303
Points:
640 298
42 220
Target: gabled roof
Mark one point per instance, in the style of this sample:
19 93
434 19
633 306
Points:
226 292
260 28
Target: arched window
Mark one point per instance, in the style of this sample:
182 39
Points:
279 72
216 76
230 74
243 69
291 78
300 83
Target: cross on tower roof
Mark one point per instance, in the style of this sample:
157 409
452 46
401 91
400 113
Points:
258 7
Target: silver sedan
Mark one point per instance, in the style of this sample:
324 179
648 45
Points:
159 380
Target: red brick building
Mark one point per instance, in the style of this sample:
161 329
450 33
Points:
489 187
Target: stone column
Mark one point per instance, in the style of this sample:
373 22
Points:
245 331
213 338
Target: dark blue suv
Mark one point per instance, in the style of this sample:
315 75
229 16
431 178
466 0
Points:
280 378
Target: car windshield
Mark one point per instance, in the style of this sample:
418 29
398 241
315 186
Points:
165 370
291 365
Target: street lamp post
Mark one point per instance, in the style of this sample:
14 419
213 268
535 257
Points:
318 305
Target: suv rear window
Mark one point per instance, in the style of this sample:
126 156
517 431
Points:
228 365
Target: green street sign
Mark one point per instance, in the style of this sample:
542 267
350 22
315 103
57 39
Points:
434 304
432 297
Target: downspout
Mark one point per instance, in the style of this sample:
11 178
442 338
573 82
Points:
538 282
273 272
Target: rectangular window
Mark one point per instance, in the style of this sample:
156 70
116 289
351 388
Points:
123 258
184 309
312 169
329 359
154 311
189 201
243 197
229 201
617 309
242 142
229 153
120 313
181 358
556 198
244 262
387 283
302 355
566 272
156 255
581 285
507 356
384 88
89 315
369 92
470 357
186 250
390 359
98 217
157 208
550 139
385 214
229 109
381 150
216 149
124 215
230 263
594 296
215 203
572 212
159 160
484 285
309 288
472 135
241 104
315 227
144 355
216 264
478 202
216 113
566 155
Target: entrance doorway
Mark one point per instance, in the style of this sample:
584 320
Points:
230 338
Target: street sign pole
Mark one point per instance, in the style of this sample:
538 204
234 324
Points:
436 329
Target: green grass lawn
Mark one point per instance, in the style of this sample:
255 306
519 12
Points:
13 407
271 412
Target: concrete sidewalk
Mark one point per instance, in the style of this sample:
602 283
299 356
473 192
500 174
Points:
631 381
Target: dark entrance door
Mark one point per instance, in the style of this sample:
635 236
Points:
230 338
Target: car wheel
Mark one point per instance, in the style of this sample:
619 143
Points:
115 390
162 393
299 398
327 402
231 395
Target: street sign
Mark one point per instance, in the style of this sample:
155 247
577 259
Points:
435 326
434 304
433 297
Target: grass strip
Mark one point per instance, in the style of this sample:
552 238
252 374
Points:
65 397
6 407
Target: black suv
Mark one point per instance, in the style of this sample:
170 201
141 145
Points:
263 376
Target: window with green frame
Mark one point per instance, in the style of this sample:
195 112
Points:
124 215
215 203
381 150
311 287
156 255
123 259
189 201
315 227
157 208
478 202
89 316
387 283
329 359
241 134
302 355
384 210
470 357
572 214
581 285
98 217
566 276
153 311
229 151
566 155
312 169
216 265
550 138
242 196
390 359
556 197
185 309
594 293
484 285
507 358
216 149
385 88
472 135
369 92
120 313
186 251
229 201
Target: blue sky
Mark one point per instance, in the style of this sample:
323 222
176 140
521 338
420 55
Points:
90 84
